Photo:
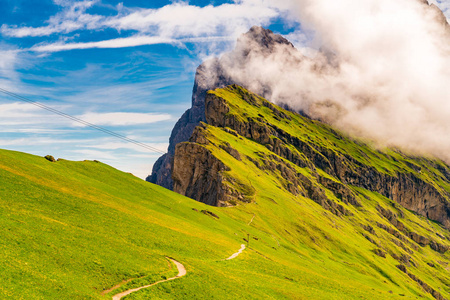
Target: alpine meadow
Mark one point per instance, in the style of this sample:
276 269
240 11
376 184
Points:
312 164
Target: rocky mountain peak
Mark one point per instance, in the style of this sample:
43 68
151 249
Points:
260 38
211 74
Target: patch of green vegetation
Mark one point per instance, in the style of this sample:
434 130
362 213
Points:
75 229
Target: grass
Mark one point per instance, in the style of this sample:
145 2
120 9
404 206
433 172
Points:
71 230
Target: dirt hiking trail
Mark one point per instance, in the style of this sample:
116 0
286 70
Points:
237 253
181 273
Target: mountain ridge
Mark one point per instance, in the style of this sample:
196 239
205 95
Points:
403 179
210 75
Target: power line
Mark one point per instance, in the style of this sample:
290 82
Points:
117 135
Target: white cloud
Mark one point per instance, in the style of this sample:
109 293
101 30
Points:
21 114
140 170
383 74
132 41
180 19
36 130
73 17
96 155
8 60
122 118
41 141
18 114
174 23
123 145
16 107
9 77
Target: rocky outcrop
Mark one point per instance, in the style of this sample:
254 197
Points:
419 239
424 285
50 158
196 174
162 169
211 75
439 16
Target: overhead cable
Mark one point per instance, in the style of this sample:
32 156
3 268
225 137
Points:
78 120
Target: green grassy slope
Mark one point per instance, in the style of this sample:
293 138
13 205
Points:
71 230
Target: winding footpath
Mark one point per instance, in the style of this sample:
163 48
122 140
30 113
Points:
181 273
237 253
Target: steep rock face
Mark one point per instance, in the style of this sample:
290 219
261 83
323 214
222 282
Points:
197 174
406 188
162 169
211 75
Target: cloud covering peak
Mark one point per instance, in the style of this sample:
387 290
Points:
382 71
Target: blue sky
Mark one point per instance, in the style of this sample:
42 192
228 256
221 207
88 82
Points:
128 67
